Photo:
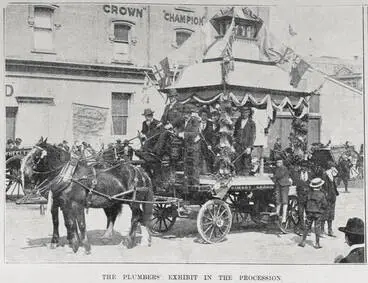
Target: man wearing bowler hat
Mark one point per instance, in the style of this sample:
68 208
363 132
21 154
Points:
149 129
354 237
244 135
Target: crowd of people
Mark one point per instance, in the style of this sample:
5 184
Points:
14 144
209 129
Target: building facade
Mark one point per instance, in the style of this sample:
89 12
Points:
66 61
349 72
79 71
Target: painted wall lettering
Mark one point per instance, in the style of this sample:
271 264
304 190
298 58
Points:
124 11
9 90
183 19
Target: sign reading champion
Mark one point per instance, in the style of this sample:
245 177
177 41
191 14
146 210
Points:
183 19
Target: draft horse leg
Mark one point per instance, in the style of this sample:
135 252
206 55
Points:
81 221
55 221
70 219
147 216
111 213
136 217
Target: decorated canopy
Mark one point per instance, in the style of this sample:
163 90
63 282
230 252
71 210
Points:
232 68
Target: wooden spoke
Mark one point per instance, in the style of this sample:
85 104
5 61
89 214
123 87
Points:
220 225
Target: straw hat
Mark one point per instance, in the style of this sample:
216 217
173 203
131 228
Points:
316 183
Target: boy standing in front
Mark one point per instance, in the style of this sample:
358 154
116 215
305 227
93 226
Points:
316 205
283 182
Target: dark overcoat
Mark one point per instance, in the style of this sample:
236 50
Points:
245 137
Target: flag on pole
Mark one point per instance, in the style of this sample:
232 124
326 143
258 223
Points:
161 72
298 69
227 53
273 49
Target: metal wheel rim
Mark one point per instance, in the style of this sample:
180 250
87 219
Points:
214 221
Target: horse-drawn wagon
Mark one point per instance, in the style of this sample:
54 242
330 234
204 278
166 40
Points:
218 201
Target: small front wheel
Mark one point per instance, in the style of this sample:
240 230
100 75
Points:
164 217
214 221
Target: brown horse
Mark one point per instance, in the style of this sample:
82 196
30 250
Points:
67 182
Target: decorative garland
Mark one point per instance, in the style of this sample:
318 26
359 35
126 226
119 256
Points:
265 102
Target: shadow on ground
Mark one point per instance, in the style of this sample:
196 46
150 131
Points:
94 236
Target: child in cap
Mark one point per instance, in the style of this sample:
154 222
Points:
316 205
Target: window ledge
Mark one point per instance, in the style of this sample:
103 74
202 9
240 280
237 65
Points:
122 62
40 51
34 99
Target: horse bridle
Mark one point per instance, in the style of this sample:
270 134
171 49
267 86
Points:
43 155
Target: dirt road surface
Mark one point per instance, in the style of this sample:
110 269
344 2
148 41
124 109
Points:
28 236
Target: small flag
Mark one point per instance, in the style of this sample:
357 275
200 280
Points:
227 53
162 72
298 69
292 32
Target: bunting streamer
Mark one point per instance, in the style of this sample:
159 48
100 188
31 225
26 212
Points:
265 102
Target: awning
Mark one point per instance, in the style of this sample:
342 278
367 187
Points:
248 75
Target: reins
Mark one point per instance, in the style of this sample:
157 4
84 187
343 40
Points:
48 172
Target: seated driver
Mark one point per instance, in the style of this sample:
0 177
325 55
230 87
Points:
150 128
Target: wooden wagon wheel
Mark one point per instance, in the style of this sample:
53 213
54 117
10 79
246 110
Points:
214 221
164 217
292 218
14 187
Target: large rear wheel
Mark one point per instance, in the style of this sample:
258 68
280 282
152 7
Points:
214 221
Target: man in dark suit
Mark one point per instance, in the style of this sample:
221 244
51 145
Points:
172 113
344 171
330 190
172 110
206 131
245 135
354 237
150 129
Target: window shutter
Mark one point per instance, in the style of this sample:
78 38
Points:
133 35
31 15
57 18
111 35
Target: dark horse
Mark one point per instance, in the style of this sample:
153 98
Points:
67 186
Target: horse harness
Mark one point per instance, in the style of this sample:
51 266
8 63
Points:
65 178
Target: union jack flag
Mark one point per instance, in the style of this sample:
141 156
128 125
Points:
161 72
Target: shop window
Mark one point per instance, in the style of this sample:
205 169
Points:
119 112
11 115
122 39
181 35
43 30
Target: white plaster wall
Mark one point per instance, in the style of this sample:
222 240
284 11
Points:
341 109
55 121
